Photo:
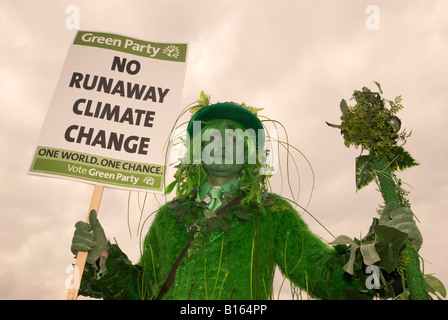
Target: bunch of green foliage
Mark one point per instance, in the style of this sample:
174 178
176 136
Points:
372 124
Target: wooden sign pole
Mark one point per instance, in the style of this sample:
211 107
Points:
82 256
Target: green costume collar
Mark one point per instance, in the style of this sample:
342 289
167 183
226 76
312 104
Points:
228 187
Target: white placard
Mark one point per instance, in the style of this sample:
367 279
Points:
112 112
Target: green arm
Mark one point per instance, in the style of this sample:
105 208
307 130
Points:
374 126
310 263
414 276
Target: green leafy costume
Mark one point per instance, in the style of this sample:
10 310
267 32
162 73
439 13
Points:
227 266
232 254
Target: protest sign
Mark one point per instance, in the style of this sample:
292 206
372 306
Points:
112 111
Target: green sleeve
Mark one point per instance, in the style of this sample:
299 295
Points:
310 263
122 280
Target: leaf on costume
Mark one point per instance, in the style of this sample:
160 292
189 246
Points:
369 254
223 224
344 107
267 200
389 242
242 214
333 125
405 295
251 109
197 245
170 187
279 207
349 266
343 240
172 205
401 159
183 211
364 171
203 101
379 87
181 215
207 226
195 109
434 285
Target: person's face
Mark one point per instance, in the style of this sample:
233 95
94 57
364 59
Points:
219 161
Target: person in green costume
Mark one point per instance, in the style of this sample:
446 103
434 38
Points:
224 234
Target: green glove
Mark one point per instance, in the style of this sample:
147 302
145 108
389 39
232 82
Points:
92 242
402 220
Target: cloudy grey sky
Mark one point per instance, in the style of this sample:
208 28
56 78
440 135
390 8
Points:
294 59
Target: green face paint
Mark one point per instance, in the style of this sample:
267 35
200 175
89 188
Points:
223 152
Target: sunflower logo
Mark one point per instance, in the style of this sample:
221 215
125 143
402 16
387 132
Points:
149 181
172 51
